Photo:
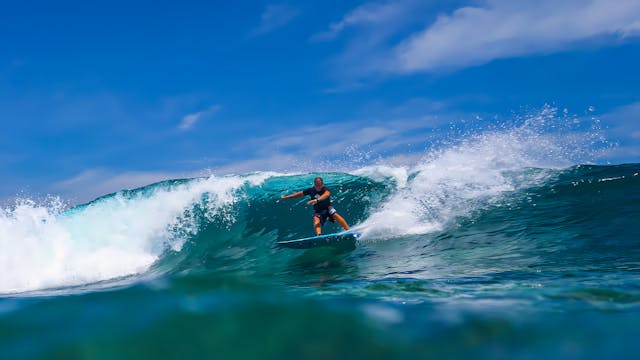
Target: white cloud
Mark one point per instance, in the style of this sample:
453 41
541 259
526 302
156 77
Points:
92 183
274 17
624 120
371 30
333 146
622 126
278 162
189 120
381 16
475 35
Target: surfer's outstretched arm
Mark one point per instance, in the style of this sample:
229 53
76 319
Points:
294 195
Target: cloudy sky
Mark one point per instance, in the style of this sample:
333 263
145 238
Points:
100 95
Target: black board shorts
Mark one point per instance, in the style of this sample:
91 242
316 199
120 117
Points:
325 214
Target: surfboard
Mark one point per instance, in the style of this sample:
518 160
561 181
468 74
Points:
336 239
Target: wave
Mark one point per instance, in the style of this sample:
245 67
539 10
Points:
490 183
116 235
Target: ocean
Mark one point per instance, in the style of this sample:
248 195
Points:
499 246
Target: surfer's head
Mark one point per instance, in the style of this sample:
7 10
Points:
318 183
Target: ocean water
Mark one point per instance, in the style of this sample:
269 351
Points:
499 246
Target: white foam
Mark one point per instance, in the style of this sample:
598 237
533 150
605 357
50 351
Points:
42 247
459 179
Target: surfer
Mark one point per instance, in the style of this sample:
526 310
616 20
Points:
321 205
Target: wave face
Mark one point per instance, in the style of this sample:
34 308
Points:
472 240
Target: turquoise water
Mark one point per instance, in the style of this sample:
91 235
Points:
492 256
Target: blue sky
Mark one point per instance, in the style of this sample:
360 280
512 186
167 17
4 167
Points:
98 96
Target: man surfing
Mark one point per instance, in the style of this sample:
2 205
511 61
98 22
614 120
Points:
321 205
